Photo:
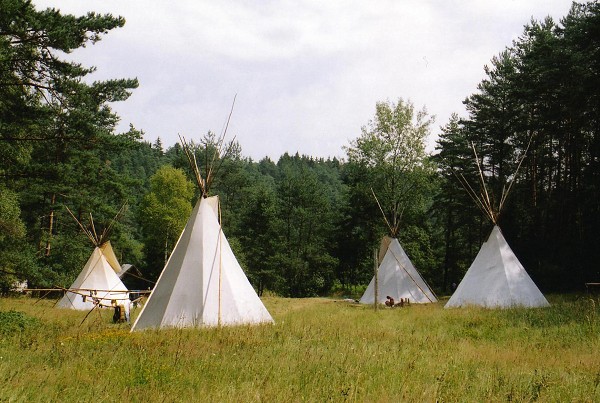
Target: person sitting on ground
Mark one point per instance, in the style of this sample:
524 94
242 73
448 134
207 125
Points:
390 301
403 302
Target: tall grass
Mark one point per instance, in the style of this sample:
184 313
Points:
318 350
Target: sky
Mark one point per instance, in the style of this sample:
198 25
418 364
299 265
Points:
306 74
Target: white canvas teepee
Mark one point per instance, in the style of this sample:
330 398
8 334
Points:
97 284
398 278
202 283
496 279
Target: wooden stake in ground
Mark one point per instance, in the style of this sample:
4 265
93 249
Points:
376 266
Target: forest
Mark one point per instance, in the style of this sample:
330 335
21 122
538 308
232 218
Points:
303 226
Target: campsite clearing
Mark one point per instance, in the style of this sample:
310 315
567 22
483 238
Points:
317 350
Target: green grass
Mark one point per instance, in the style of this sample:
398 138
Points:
319 350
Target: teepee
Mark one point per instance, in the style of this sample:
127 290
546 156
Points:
397 277
202 283
98 284
496 278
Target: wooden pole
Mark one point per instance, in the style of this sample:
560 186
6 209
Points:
220 246
166 250
376 266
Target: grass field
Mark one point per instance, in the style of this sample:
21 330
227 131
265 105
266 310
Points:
319 350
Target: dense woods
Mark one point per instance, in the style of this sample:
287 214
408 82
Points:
303 226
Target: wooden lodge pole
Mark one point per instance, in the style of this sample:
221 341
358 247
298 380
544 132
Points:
220 245
376 266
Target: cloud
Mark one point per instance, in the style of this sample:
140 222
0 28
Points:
307 73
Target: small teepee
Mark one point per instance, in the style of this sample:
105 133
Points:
397 278
202 283
98 284
496 278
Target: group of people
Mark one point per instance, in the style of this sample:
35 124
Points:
392 303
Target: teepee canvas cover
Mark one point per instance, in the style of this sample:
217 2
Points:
398 278
97 282
110 256
202 283
496 279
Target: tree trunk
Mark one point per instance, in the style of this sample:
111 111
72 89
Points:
50 225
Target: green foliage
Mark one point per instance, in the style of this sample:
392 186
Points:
164 212
11 225
12 322
15 257
306 219
259 238
455 212
392 147
57 132
30 39
395 136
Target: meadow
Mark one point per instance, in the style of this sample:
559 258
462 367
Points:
318 350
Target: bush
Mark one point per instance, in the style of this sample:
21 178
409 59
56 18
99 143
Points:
12 322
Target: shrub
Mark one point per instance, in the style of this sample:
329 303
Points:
12 322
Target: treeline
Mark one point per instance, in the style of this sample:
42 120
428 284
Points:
540 95
303 226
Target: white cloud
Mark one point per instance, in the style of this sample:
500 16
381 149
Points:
307 72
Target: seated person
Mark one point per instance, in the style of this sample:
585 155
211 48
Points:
390 301
403 301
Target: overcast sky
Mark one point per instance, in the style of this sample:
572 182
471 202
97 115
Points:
307 73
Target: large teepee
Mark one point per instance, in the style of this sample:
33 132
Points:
98 284
202 283
496 278
397 278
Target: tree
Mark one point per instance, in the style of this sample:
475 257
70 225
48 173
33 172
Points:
305 223
392 148
541 89
388 159
164 212
456 213
12 232
55 127
257 234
